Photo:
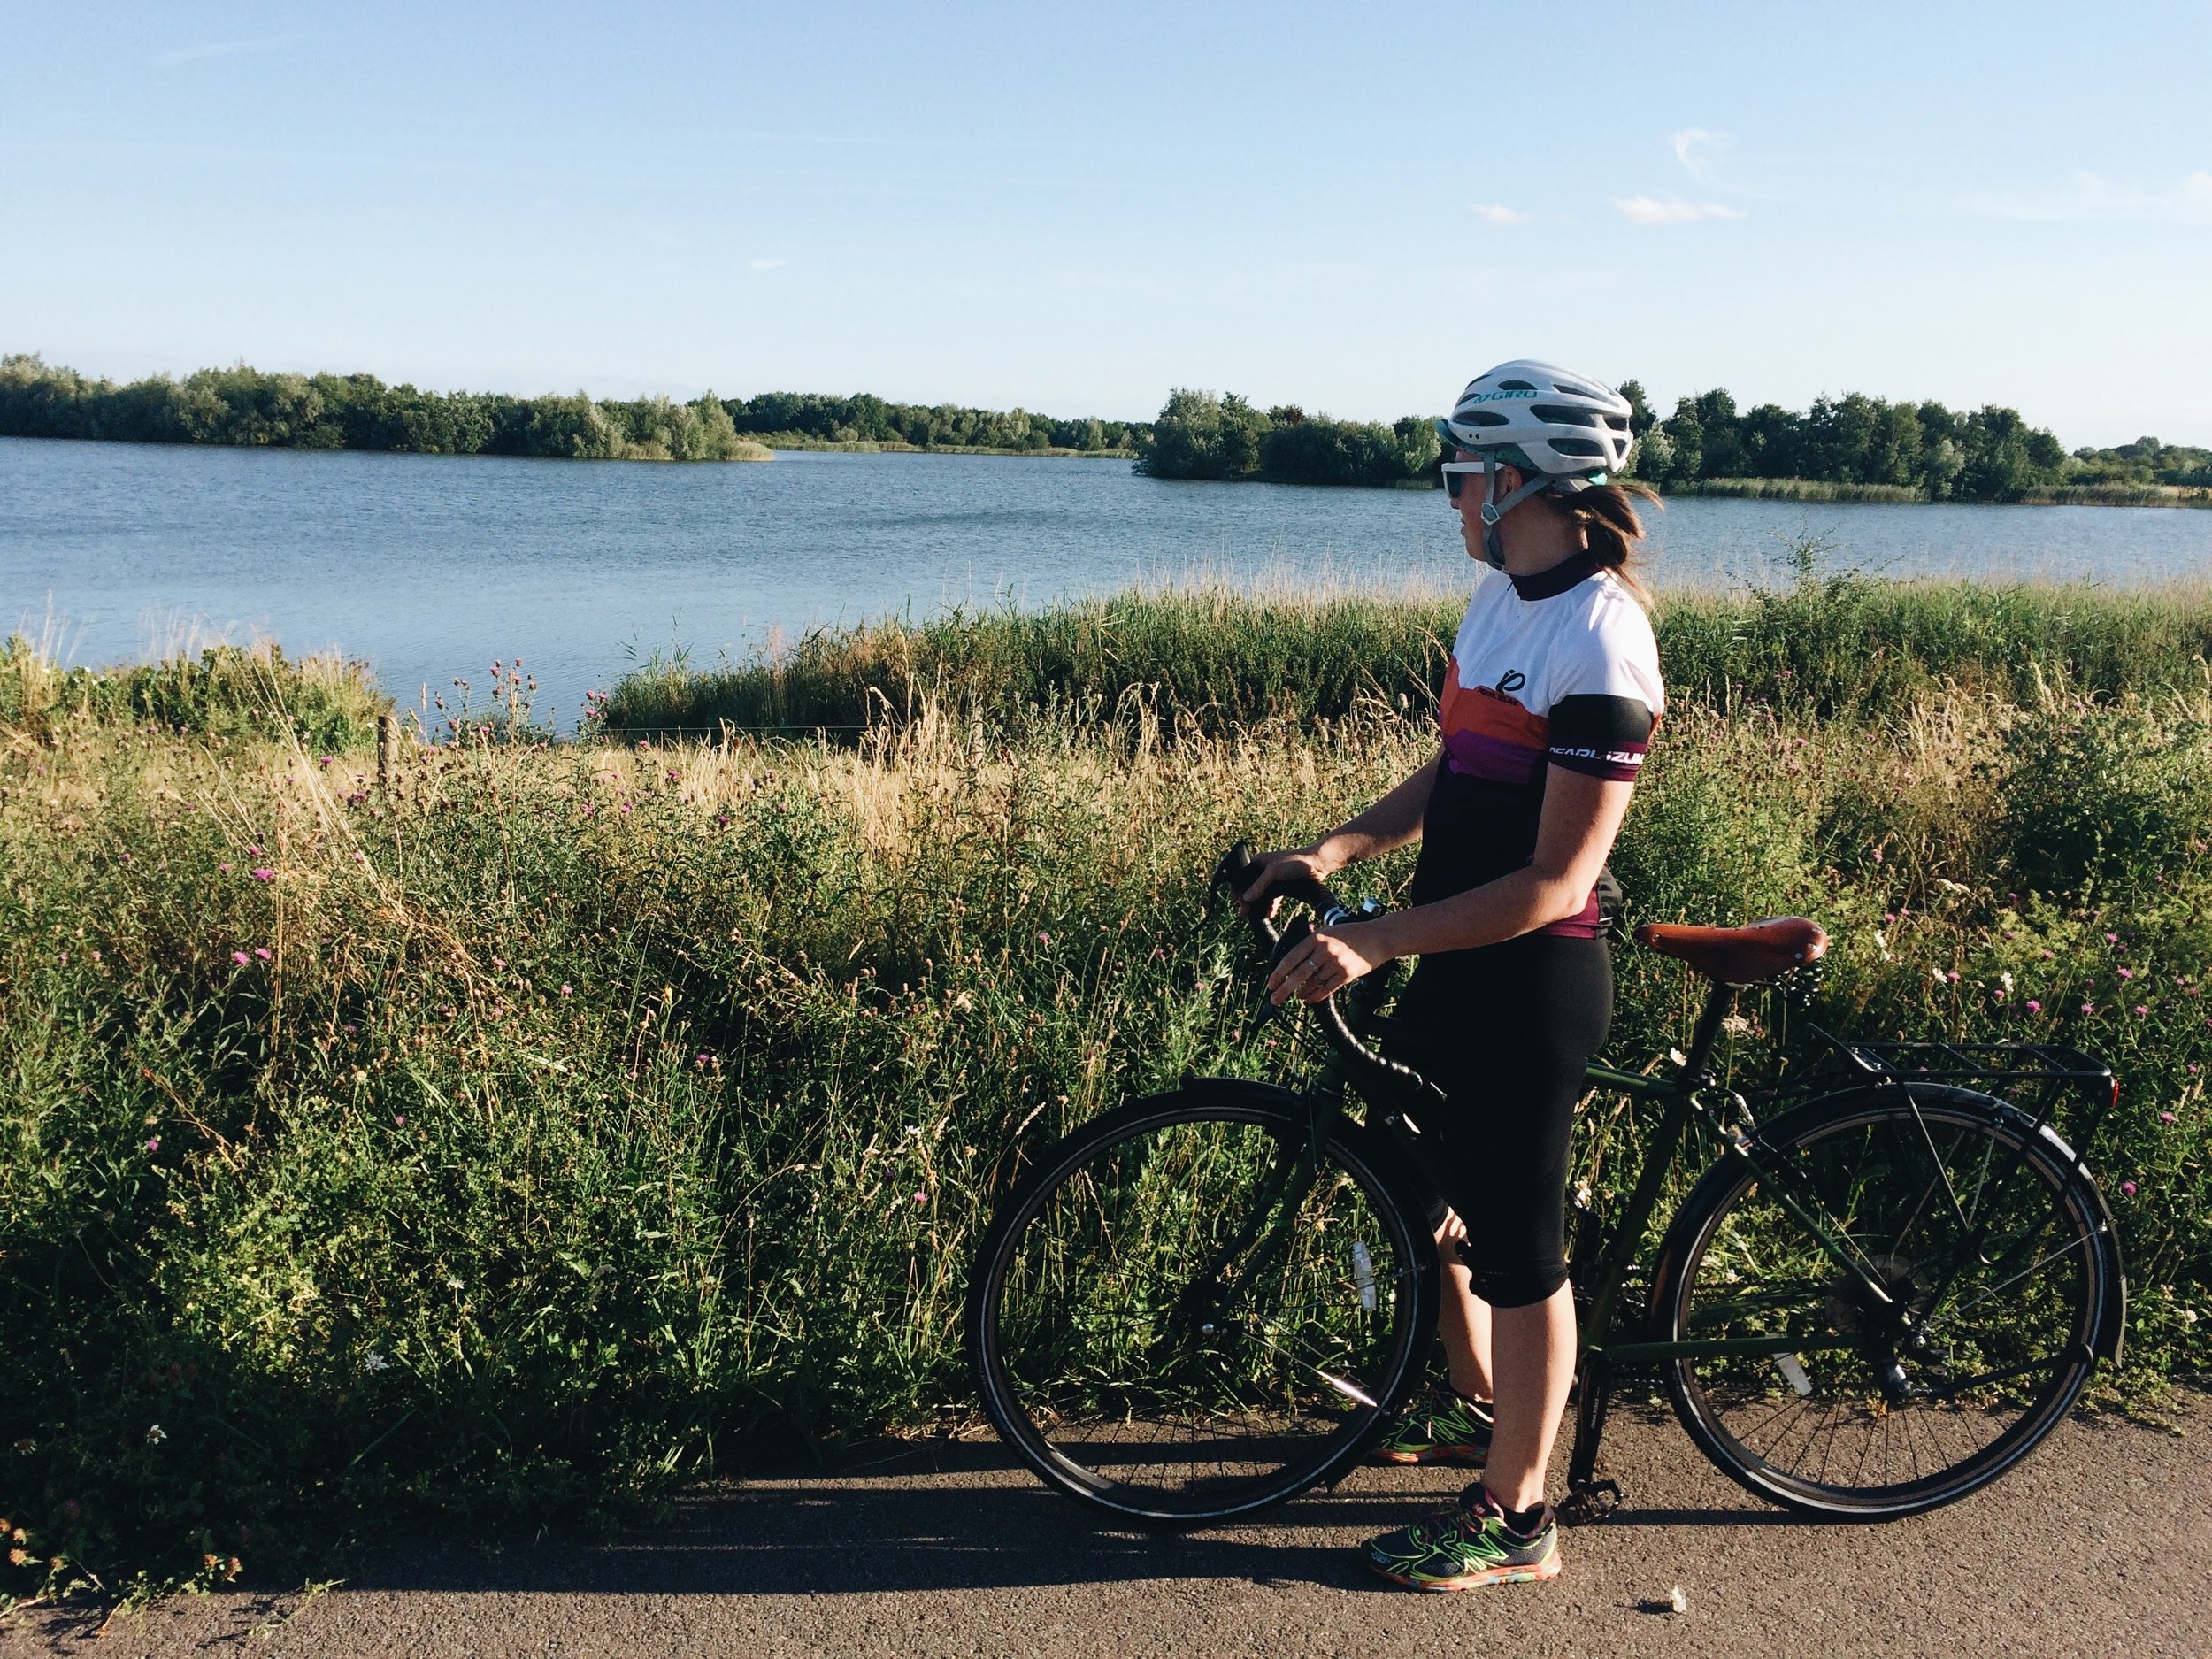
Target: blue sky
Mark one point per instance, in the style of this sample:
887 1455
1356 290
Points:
1074 208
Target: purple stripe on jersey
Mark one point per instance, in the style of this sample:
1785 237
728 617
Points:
1493 759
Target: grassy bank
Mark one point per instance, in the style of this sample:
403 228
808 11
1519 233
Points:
1839 647
574 1121
871 446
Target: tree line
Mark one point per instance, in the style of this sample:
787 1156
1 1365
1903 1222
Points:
246 406
1986 454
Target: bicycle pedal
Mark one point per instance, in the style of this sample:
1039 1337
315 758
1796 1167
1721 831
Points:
1590 1502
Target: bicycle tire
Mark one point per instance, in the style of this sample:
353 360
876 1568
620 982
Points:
2001 1245
1091 1321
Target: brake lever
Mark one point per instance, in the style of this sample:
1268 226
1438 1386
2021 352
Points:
1269 1010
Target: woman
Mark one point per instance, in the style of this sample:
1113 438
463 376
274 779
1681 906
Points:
1548 704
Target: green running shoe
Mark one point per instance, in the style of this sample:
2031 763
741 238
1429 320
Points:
1467 1546
1444 1426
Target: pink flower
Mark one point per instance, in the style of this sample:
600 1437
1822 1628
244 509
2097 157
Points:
400 1119
2140 1010
254 847
223 868
1877 855
263 874
2127 974
1953 976
2112 939
2127 1187
2034 1007
2088 1008
1044 939
568 990
921 1198
153 1143
2165 1117
262 951
240 958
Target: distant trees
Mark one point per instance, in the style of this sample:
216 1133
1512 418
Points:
358 411
1988 454
1200 435
868 419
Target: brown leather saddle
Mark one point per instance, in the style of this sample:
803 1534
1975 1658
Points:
1750 955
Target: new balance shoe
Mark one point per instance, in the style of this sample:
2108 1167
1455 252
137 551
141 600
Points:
1443 1427
1466 1546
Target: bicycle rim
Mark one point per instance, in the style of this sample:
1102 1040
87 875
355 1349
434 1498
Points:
1991 1272
1147 1354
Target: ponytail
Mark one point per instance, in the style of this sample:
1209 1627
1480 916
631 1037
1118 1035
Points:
1606 515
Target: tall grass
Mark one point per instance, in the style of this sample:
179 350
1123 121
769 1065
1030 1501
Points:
1832 646
574 1121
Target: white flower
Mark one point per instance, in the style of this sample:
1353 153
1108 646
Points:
155 1435
1936 974
2005 980
453 1284
374 1361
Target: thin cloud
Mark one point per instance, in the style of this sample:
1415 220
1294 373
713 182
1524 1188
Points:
1695 147
2089 198
1672 209
765 264
1498 214
226 49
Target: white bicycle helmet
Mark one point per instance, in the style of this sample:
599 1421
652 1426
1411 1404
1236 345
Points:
1564 430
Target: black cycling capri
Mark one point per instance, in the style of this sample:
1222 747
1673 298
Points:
1506 1031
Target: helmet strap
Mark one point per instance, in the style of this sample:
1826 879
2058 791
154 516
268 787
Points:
1493 510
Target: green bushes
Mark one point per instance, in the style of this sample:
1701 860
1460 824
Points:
225 691
1199 435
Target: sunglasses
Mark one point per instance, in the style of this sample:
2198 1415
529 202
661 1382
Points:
1458 472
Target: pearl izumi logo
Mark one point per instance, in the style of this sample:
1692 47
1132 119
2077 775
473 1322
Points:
1511 681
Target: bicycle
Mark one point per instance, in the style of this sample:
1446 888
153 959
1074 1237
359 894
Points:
1885 1291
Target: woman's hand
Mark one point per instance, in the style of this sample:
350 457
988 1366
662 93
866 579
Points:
1281 867
1327 961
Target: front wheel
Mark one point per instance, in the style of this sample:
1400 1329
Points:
1187 1311
1894 1299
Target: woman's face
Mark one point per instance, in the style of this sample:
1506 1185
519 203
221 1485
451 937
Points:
1469 502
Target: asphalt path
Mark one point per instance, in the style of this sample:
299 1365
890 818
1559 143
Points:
2100 1544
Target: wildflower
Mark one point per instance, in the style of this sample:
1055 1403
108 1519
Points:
625 806
155 1435
2088 1008
1889 918
2165 1117
2034 1007
262 951
153 1143
1877 855
400 1119
453 1284
2127 1187
499 963
2005 980
1044 939
2112 939
223 868
18 1557
1936 974
374 1361
240 958
2127 974
568 990
263 873
254 847
2141 1011
1953 976
921 1197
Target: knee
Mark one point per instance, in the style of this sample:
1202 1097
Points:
1507 1281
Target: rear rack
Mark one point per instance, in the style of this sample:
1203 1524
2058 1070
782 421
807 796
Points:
2034 1076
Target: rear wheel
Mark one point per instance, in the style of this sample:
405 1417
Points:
1956 1330
1151 1343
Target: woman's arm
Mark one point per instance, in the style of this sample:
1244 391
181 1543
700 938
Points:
1389 823
1581 817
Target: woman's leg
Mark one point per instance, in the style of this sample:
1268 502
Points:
1532 1351
1462 1319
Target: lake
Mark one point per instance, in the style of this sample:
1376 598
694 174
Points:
427 566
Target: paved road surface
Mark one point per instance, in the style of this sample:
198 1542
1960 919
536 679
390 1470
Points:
2100 1545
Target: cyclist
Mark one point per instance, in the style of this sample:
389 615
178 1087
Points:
1548 704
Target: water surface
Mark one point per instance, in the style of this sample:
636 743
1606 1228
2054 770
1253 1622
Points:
427 566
